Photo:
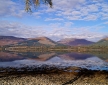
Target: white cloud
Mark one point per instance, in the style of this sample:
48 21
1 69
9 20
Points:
106 23
104 16
91 17
93 8
53 19
56 32
74 17
20 30
62 12
68 24
37 14
10 8
67 9
6 7
79 9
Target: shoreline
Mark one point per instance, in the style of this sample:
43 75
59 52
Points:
55 76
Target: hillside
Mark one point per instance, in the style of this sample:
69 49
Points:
75 42
43 40
39 41
103 42
8 40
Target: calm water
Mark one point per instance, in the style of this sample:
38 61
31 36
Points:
93 61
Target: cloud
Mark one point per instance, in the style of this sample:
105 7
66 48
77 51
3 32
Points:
65 9
56 32
80 9
20 30
106 23
64 13
10 8
53 19
91 17
37 14
68 24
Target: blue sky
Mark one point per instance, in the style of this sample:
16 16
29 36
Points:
86 19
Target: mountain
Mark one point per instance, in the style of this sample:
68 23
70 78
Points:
102 42
75 42
8 40
39 41
15 41
44 40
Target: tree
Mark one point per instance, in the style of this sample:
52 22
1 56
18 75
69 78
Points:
30 3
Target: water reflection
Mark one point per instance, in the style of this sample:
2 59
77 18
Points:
83 60
75 56
39 56
6 56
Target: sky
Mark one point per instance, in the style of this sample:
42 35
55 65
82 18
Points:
82 19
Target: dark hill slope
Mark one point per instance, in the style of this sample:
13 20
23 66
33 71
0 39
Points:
75 42
8 40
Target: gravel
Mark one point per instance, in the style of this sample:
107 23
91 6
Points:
84 77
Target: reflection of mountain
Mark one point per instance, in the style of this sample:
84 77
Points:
4 56
7 40
9 57
93 63
45 57
52 59
103 56
75 56
37 56
75 42
107 60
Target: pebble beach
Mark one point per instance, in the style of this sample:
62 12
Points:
55 77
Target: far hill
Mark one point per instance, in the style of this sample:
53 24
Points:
39 41
43 40
8 40
75 42
103 42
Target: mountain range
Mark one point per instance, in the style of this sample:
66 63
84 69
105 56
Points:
41 41
75 42
8 40
38 41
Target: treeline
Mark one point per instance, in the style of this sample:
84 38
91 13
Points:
55 48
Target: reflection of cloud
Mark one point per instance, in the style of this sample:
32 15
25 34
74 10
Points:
57 32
